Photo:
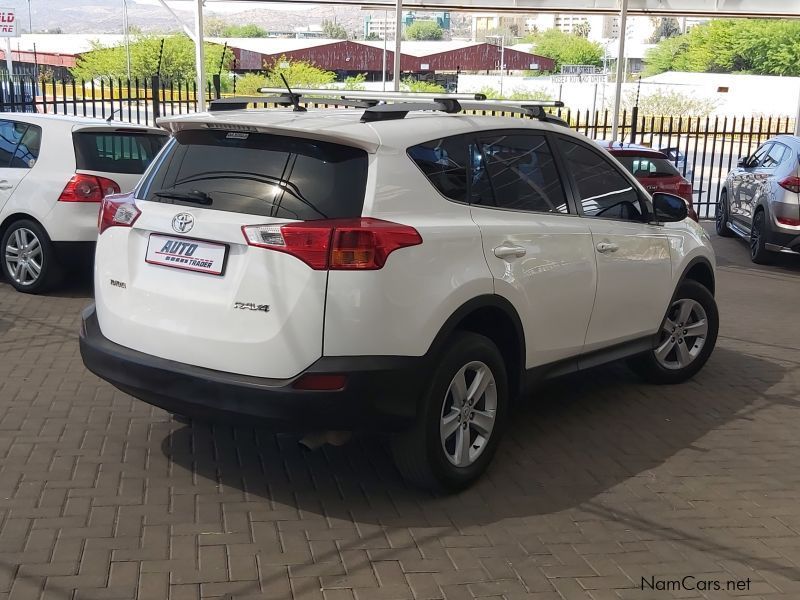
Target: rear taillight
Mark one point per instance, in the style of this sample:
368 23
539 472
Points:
788 221
337 244
791 183
319 382
117 211
88 188
685 191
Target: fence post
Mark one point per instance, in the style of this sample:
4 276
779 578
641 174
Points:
215 78
155 91
634 119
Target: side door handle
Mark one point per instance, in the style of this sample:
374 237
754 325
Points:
606 247
4 185
507 251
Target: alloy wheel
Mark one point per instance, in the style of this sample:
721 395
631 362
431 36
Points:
468 414
720 216
23 257
683 334
755 234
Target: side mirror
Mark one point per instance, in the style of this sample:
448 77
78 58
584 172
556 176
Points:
669 208
742 162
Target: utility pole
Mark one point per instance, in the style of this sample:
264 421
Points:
199 56
385 36
398 37
125 34
623 24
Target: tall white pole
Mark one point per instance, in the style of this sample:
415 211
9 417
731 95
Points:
385 36
398 36
9 62
126 36
199 56
623 25
502 61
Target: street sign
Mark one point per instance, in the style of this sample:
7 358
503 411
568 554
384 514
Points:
587 78
8 22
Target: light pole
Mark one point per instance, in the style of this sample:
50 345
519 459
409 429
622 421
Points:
30 18
125 34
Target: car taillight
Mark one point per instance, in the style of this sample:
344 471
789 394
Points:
117 211
336 244
320 382
788 221
88 188
791 183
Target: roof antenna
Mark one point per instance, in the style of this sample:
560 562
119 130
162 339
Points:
295 98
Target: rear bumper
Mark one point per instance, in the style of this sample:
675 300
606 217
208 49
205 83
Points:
381 392
783 241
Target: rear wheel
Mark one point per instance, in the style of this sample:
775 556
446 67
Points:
29 261
687 337
722 216
758 247
460 419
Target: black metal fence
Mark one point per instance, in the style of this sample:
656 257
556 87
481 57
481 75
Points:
703 149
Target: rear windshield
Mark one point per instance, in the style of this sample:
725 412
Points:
116 151
262 174
646 166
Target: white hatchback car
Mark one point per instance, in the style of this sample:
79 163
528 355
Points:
54 172
389 269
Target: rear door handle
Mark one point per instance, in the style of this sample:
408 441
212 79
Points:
509 251
605 247
4 185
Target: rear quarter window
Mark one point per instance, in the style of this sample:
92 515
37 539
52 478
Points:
647 166
262 174
116 151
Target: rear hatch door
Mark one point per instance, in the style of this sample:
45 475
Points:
184 284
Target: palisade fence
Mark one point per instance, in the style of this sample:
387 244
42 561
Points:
703 149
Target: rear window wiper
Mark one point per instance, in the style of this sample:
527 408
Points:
195 196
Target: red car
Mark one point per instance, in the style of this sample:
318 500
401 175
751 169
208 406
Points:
653 169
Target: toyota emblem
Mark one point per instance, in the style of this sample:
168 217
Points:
182 222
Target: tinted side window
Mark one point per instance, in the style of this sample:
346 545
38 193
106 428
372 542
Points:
28 149
10 135
444 162
775 156
522 174
603 191
758 156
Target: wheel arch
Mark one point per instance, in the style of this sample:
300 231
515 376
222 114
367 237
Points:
14 217
699 269
496 318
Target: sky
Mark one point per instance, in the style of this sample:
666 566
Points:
232 7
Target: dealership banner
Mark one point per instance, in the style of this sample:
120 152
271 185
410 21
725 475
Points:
8 22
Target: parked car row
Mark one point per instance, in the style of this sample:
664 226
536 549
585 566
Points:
351 270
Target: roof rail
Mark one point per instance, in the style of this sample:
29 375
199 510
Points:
385 106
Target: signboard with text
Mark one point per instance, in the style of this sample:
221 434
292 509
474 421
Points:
8 22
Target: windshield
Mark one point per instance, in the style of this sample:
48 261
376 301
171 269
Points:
262 174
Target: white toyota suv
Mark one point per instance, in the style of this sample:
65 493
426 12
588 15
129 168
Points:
389 269
54 172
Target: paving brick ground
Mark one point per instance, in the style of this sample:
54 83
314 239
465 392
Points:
602 482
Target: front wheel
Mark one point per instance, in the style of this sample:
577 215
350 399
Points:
29 261
686 339
460 419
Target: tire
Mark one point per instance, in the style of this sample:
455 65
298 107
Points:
41 270
758 249
423 457
721 216
670 362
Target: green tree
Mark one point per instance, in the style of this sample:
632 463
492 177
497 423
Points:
582 29
664 28
334 31
298 73
355 82
244 31
423 30
177 63
494 94
761 46
566 48
412 85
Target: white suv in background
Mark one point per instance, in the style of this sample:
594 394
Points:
376 270
54 172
